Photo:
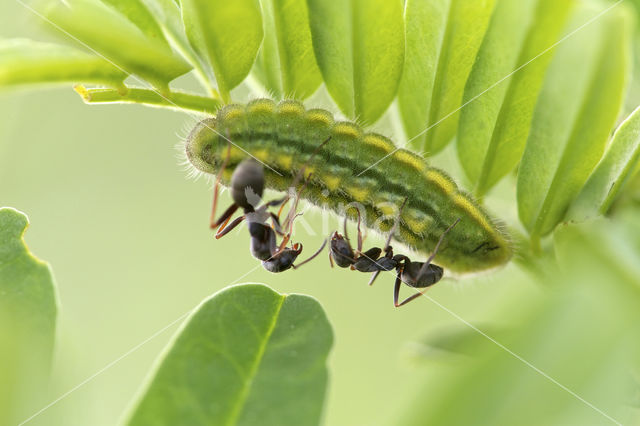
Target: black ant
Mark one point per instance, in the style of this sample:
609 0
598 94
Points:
247 186
342 253
414 274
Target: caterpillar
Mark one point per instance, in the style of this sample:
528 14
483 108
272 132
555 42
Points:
285 137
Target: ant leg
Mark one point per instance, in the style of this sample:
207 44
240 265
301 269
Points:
346 236
324 243
224 229
216 188
396 290
410 298
374 276
396 287
387 248
396 223
435 250
294 208
287 236
276 224
284 203
360 239
225 216
344 226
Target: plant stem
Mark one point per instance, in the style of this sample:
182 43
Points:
175 100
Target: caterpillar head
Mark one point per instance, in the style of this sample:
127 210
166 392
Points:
202 147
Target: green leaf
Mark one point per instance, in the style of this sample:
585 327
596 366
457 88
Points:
578 106
226 35
286 63
568 360
613 171
359 46
26 62
140 16
495 123
443 38
121 42
246 356
169 17
28 308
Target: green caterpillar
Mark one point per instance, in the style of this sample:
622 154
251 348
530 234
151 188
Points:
285 136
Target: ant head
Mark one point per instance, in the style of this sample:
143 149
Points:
283 260
341 250
247 184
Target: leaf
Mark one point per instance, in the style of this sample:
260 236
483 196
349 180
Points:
495 122
443 38
28 308
578 106
287 65
121 42
168 16
247 355
140 16
226 35
24 62
613 171
569 361
359 46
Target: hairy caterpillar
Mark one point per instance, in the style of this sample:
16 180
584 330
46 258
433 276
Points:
285 135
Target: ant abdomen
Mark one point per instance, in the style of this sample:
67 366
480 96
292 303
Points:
263 240
414 276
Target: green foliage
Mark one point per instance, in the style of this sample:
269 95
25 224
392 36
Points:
118 40
495 123
566 356
578 107
613 171
226 35
247 356
28 309
168 16
487 72
430 100
24 62
286 63
136 12
359 46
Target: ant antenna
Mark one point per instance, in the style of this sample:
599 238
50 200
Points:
396 224
324 243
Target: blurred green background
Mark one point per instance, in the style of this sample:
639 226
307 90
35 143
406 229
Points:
126 233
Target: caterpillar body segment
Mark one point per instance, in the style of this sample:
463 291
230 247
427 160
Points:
284 136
